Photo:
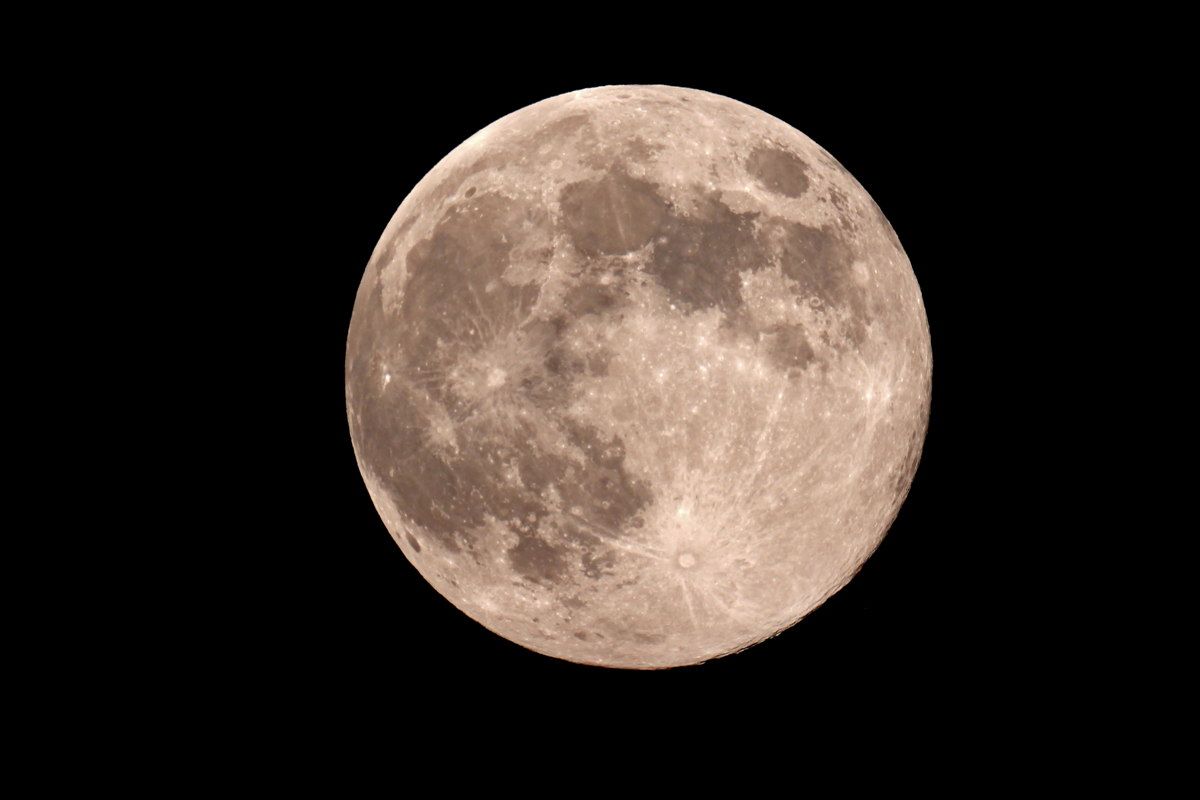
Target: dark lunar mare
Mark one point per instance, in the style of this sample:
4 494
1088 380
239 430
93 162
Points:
454 277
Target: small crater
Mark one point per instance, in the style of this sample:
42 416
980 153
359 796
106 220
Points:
686 560
471 192
412 542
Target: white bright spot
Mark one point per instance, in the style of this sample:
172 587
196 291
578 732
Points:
496 377
687 560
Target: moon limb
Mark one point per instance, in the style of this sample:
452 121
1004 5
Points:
638 376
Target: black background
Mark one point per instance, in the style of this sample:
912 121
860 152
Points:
316 606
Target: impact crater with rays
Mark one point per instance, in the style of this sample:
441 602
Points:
638 376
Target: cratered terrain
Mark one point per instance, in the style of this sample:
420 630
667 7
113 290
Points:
638 376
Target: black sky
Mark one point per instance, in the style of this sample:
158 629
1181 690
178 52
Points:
323 605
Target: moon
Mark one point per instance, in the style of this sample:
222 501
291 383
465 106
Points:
638 376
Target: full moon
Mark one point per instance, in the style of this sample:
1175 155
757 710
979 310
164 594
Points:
638 376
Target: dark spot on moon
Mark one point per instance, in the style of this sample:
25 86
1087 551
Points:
597 566
553 135
392 432
649 638
820 261
591 298
560 363
454 284
412 542
605 491
470 192
538 470
611 215
778 171
597 362
450 471
838 198
697 257
788 348
845 218
537 561
639 150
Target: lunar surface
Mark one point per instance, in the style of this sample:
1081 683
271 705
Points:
638 376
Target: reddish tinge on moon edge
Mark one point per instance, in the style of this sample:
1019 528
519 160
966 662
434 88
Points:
638 376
